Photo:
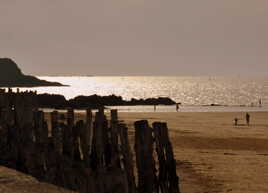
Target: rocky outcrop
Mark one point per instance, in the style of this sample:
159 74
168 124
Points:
96 101
11 76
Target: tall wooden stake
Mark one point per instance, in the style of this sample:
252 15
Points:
144 157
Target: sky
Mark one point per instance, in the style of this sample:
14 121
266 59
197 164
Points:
136 37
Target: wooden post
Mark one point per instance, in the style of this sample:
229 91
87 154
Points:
22 108
160 149
70 117
68 134
144 157
55 132
45 133
168 179
106 140
171 163
99 140
127 158
89 127
39 127
114 139
77 132
86 137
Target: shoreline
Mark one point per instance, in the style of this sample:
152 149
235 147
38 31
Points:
171 109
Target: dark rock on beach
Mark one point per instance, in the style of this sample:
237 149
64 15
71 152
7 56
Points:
152 101
96 101
12 76
52 101
84 101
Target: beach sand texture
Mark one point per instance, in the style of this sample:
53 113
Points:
12 181
213 155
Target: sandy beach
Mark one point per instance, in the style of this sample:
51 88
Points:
12 181
212 154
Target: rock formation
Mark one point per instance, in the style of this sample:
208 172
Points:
11 76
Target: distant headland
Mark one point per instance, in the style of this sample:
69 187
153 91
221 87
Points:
12 76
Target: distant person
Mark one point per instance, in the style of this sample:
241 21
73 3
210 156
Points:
235 121
247 118
154 108
260 103
177 107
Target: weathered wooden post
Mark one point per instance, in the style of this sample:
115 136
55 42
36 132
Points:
171 162
2 104
99 140
55 132
168 179
115 157
45 133
127 157
144 157
163 183
68 134
41 142
76 140
70 117
38 127
22 106
106 140
86 137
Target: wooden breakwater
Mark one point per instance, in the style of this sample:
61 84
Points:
89 156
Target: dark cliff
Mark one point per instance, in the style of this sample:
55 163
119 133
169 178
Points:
11 76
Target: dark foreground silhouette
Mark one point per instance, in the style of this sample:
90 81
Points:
93 154
11 76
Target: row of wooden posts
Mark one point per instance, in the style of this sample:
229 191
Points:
89 156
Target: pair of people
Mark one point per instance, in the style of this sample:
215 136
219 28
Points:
247 119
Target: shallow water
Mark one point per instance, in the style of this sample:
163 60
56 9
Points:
192 92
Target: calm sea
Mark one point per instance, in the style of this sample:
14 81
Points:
195 93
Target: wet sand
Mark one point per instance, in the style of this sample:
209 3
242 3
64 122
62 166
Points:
12 181
212 154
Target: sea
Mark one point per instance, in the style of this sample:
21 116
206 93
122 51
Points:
196 94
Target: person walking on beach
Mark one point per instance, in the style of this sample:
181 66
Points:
260 102
177 107
235 121
247 118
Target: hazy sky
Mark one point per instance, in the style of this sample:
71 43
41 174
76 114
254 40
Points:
136 37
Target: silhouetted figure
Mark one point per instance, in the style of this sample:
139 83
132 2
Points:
154 108
235 121
260 103
247 118
177 107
